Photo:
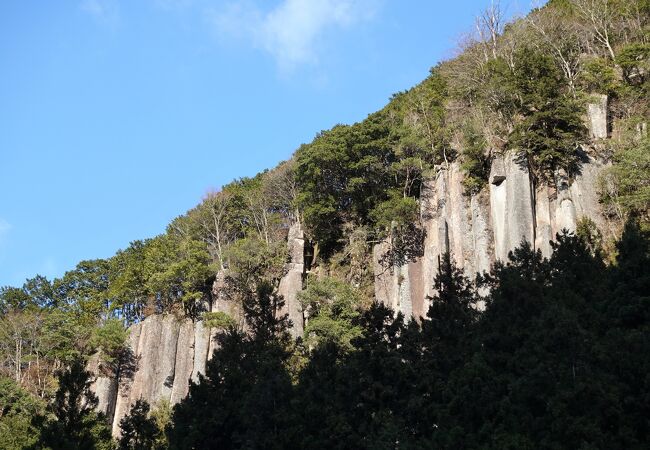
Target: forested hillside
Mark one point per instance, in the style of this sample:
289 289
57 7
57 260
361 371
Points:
556 356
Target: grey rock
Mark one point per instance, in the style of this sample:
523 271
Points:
597 112
104 386
184 365
201 348
292 282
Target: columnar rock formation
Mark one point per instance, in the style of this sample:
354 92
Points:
292 281
480 229
477 230
167 352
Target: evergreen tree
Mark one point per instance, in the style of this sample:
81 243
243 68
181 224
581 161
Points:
75 425
138 429
243 400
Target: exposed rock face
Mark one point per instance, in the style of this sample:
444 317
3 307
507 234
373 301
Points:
104 387
291 283
168 352
597 112
477 230
480 229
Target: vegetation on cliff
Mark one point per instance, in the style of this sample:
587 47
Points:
522 85
557 360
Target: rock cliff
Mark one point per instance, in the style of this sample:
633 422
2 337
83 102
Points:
480 229
165 352
477 230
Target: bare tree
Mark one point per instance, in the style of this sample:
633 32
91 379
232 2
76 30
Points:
281 185
214 221
599 16
562 38
489 26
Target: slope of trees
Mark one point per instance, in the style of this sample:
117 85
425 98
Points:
519 86
557 360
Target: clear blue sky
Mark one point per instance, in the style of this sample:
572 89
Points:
118 115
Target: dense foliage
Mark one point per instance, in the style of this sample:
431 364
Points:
557 335
557 360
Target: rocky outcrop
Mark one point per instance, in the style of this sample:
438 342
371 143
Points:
597 113
477 230
292 282
166 352
480 229
104 386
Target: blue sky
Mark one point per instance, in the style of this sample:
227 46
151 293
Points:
118 115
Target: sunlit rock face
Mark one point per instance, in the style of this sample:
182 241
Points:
480 229
166 352
292 282
597 113
477 230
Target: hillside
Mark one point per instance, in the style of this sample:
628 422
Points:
467 267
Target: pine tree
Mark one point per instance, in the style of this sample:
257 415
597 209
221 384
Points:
76 425
243 400
138 430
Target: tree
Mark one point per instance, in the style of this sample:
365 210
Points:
75 424
84 290
17 408
552 127
563 39
179 273
138 429
599 16
128 282
248 378
625 187
218 223
331 307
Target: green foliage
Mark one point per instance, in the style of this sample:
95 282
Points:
17 409
634 59
65 335
552 126
248 379
626 185
587 231
12 298
341 177
73 423
219 320
474 161
551 136
128 287
397 210
332 306
598 76
84 290
138 429
162 416
252 261
180 273
561 346
110 340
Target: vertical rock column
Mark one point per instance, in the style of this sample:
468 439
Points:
383 275
184 364
201 348
597 112
156 363
511 205
123 400
104 387
291 283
